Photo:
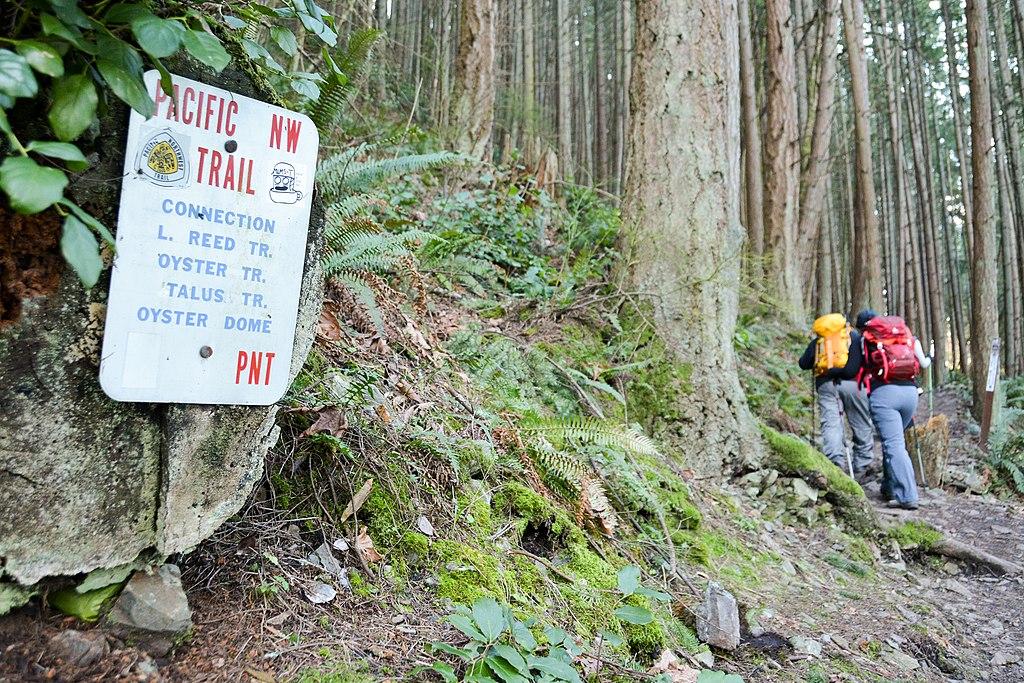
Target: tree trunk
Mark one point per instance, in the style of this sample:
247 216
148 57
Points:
473 102
600 133
685 217
782 158
815 182
984 314
751 138
867 275
563 48
958 126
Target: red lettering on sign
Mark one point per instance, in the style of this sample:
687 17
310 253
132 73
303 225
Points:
289 127
237 175
253 362
193 107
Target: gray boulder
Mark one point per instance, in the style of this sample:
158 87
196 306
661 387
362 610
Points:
79 649
152 610
718 619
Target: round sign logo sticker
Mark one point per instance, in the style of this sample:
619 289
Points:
163 161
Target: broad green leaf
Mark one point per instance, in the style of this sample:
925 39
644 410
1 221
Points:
166 82
207 49
73 107
158 37
512 656
85 606
52 26
446 672
523 636
709 676
257 52
465 625
42 57
60 150
629 579
318 27
5 125
555 667
653 594
613 639
125 13
16 77
632 614
464 653
69 13
285 39
128 86
233 21
555 636
81 250
504 670
116 50
31 187
489 617
305 87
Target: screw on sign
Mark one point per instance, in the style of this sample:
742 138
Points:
211 242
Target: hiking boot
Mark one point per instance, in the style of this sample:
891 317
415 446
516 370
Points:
895 504
865 476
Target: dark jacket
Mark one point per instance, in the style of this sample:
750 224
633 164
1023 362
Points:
836 374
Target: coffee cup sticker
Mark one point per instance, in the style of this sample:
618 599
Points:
282 186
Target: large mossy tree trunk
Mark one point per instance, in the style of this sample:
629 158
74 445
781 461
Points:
681 205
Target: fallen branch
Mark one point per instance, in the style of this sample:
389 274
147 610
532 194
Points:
958 550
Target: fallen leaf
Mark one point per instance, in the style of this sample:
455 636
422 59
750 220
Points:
675 671
323 557
424 525
279 619
415 335
261 676
320 593
331 420
357 501
340 544
382 413
364 546
328 327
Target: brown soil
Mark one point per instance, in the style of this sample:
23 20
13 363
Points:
30 260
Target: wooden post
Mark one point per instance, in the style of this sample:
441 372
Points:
990 392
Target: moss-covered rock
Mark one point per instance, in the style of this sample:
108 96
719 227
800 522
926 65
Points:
915 535
793 456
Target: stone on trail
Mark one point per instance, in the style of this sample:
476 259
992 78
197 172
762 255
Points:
1004 658
804 492
79 649
901 660
806 646
152 609
718 619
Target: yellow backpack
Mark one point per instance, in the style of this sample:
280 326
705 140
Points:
833 349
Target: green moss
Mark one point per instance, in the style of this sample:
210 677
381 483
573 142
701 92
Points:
477 513
336 673
521 501
846 564
283 491
466 574
916 535
794 456
382 517
415 544
360 586
679 508
645 642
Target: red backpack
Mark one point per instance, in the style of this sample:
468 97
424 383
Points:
888 351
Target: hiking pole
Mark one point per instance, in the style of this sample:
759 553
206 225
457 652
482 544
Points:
931 381
846 444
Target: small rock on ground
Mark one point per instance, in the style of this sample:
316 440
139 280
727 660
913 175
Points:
153 610
78 649
718 622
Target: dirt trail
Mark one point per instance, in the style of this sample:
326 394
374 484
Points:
983 611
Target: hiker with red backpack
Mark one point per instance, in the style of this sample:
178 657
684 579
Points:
834 355
891 359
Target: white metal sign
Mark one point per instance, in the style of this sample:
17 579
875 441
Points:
211 240
993 367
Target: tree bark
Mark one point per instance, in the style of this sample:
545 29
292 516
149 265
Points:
751 138
473 102
958 125
867 274
984 314
685 217
782 158
815 182
563 48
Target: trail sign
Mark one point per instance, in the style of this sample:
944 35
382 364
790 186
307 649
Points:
211 240
991 383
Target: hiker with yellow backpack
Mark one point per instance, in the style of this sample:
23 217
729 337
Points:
834 355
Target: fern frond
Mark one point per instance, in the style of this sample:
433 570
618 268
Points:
347 207
364 296
348 66
356 176
590 430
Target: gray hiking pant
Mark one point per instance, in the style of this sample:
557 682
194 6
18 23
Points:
835 400
892 408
